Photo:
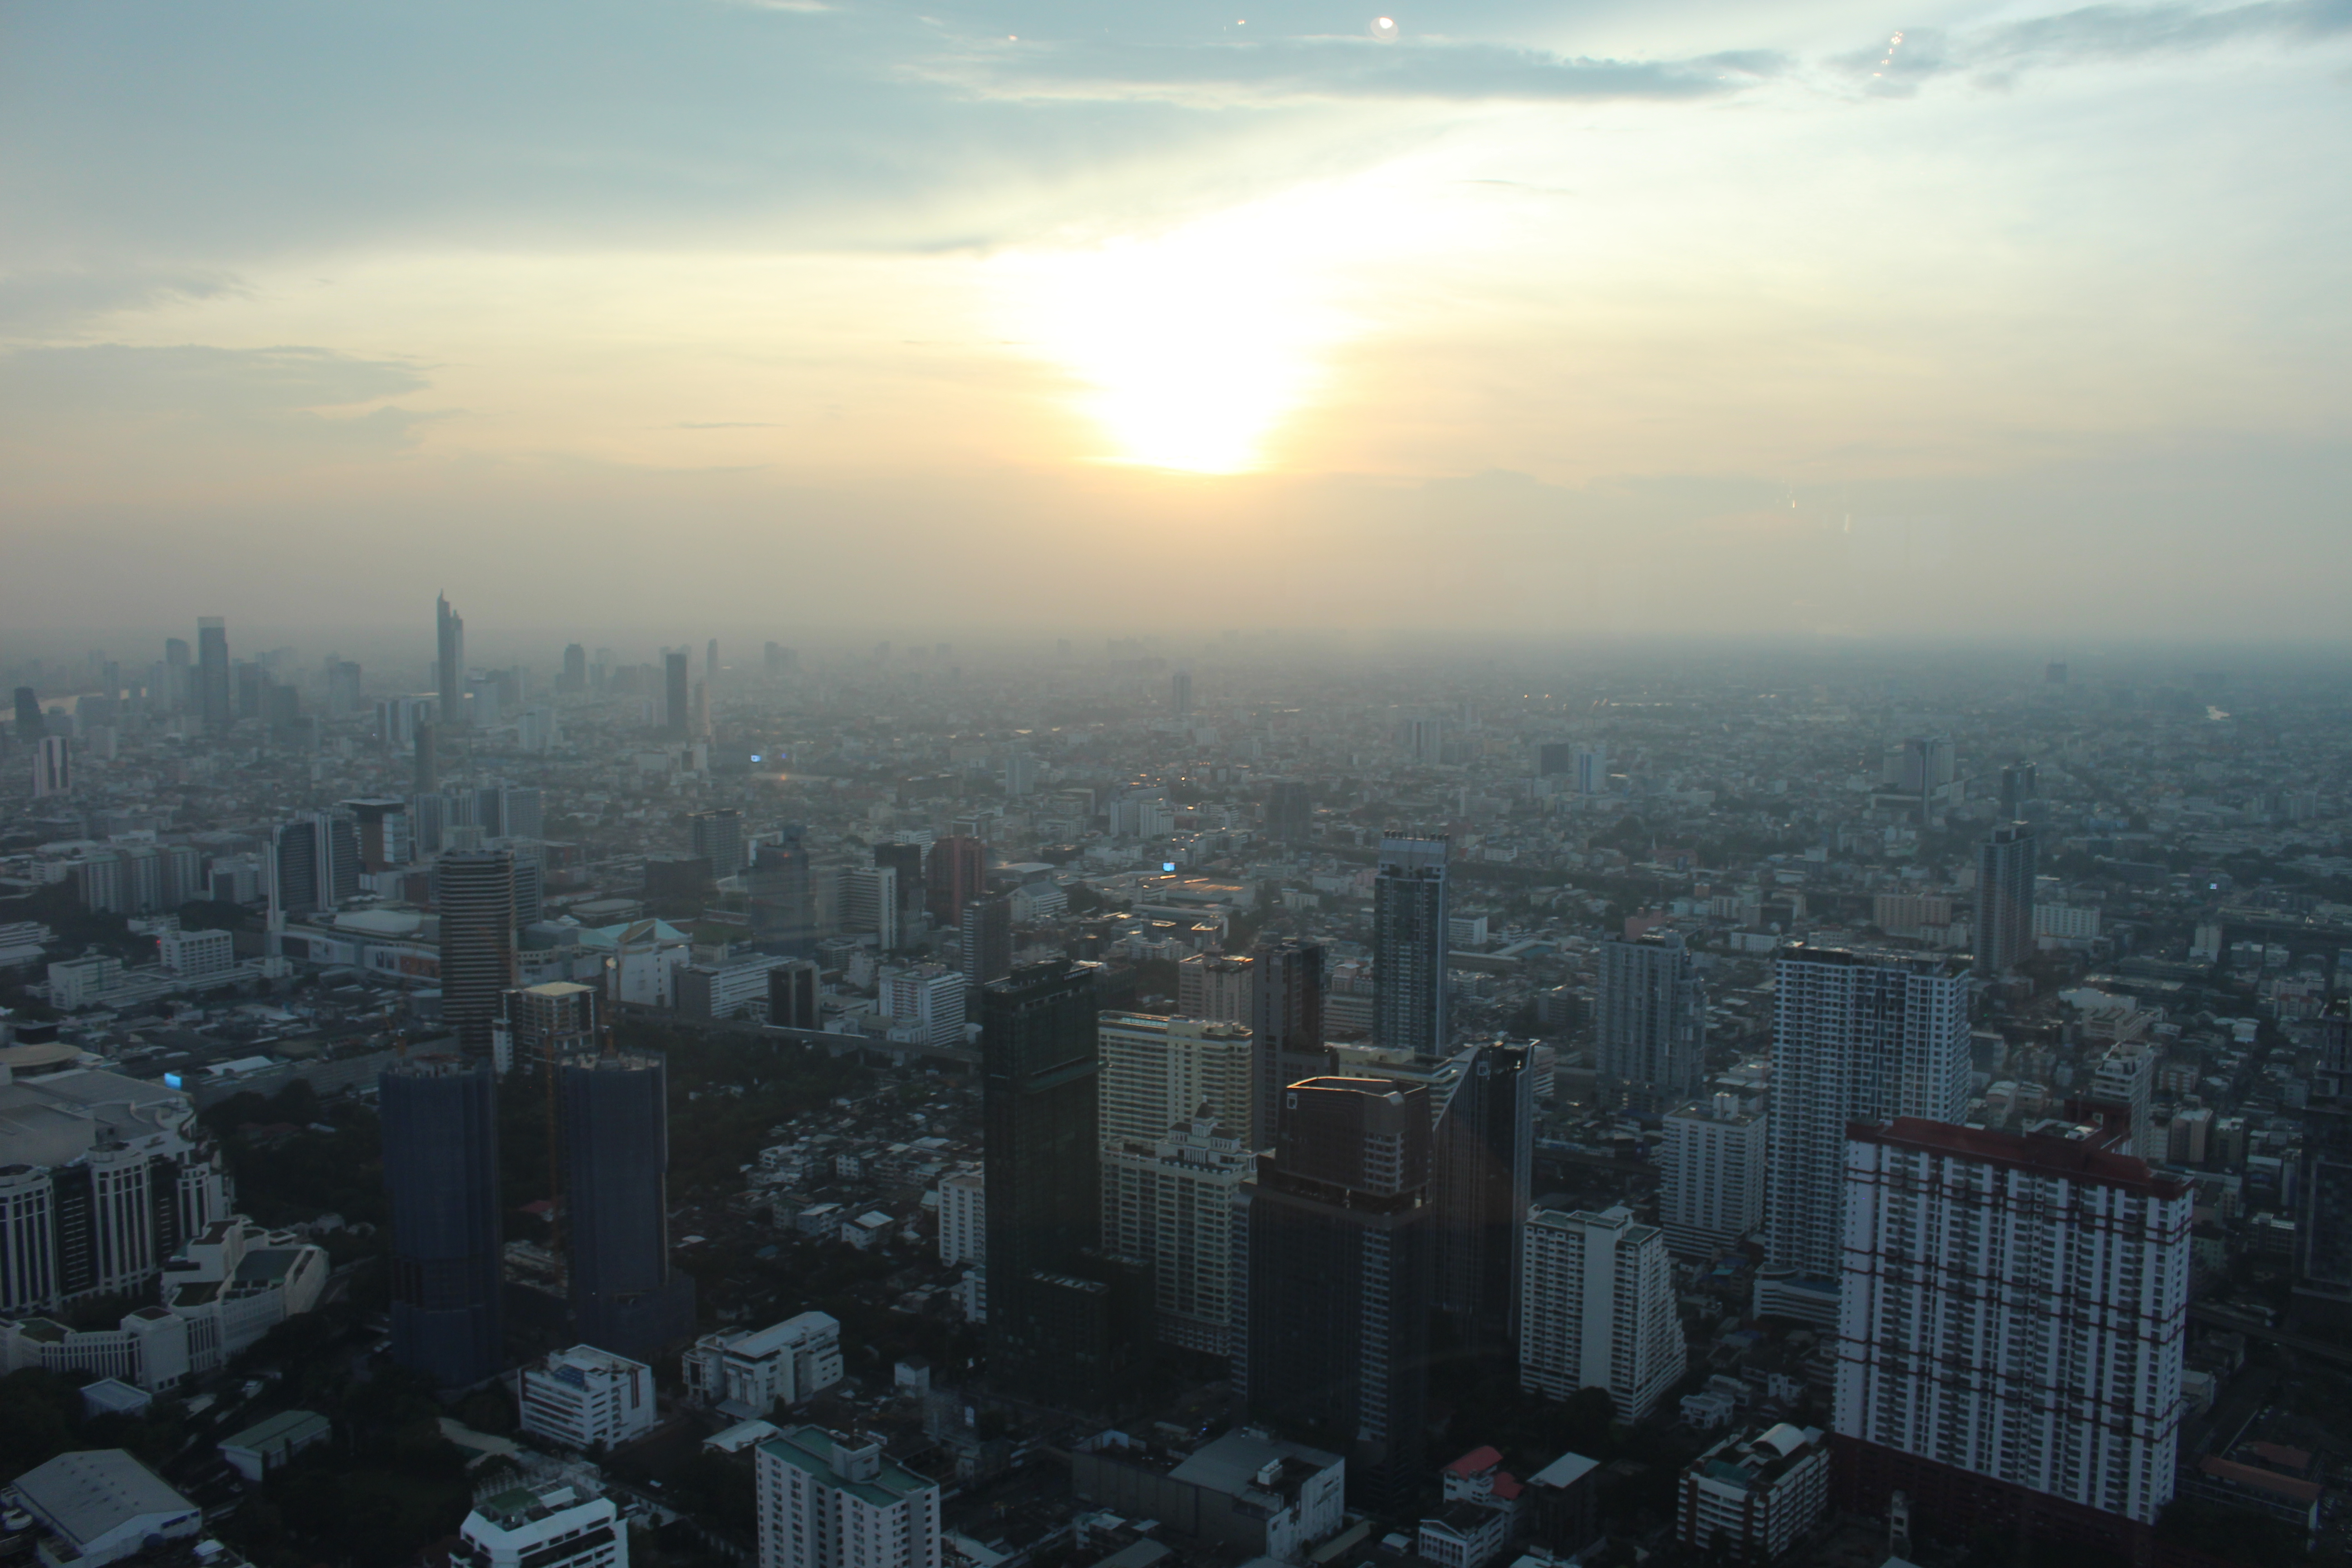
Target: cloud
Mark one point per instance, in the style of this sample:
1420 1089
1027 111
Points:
2099 34
40 303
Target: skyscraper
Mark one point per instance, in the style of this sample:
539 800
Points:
476 897
626 1297
1591 768
1289 813
213 697
318 865
782 887
575 668
549 1023
985 952
2005 899
2322 1238
1039 1073
1169 1201
179 682
678 698
1341 1260
907 860
1286 1022
425 778
1649 1022
1215 985
954 875
1711 1193
719 839
449 664
1409 945
30 725
1484 1182
794 996
1179 693
52 766
439 1115
1160 1072
2020 781
1597 1309
2011 1334
1854 1038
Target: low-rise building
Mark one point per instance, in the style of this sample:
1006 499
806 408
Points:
1258 1494
552 1525
99 1505
584 1396
749 1372
265 1445
1754 1495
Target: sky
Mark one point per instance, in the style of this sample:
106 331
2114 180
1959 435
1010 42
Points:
814 318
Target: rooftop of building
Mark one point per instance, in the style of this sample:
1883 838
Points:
834 1460
1753 1458
285 1426
1564 1471
84 1495
526 1505
765 1342
2082 1160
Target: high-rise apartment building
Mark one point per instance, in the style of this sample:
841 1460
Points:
2125 1079
1039 1076
1854 1038
828 1501
548 1023
317 863
984 950
1169 1201
441 1168
926 1001
1591 769
476 896
1160 1072
1289 813
2011 1333
1482 1182
1287 1022
2020 781
626 1297
1409 945
2005 871
869 904
1649 1022
1597 1309
719 839
1215 985
2322 1235
1711 1194
907 860
678 696
52 766
787 904
215 697
1340 1278
449 665
963 1217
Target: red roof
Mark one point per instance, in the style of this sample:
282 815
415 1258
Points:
1475 1460
2044 1156
2260 1479
1507 1486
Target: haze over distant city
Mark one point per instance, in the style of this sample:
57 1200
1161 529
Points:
1030 318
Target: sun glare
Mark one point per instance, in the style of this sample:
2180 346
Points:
1191 347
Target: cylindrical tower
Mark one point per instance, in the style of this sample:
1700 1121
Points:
476 903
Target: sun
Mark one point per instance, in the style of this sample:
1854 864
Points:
1189 348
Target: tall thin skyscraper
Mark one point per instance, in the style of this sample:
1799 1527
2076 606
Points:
2005 872
1289 815
427 777
1285 1021
718 837
677 697
476 903
214 700
1409 945
2323 1237
30 725
986 949
1342 1260
1039 1071
1483 1181
1649 1022
439 1116
955 874
575 668
1179 693
626 1297
449 664
2020 781
1854 1038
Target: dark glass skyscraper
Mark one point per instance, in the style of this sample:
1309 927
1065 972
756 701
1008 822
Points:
986 945
625 1298
213 697
2323 1239
30 725
1484 1182
1409 945
2005 871
449 664
1285 1021
1039 1068
1289 815
955 874
439 1116
476 897
1342 1257
1649 1032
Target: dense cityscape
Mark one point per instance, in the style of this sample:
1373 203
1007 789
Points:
1227 1100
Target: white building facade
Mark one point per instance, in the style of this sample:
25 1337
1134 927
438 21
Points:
1160 1072
1597 1308
1170 1202
963 1217
584 1396
830 1502
2016 1305
1713 1168
552 1525
753 1371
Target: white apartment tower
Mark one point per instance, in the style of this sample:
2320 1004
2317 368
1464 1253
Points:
1854 1038
963 1217
1597 1308
2015 1307
1649 1022
1171 1203
1712 1190
2125 1076
831 1501
1159 1072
